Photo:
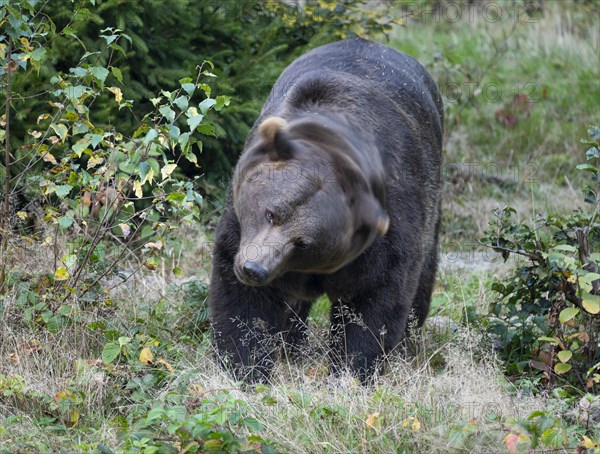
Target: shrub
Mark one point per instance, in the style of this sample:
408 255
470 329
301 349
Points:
547 314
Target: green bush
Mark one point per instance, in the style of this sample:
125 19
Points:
547 315
249 41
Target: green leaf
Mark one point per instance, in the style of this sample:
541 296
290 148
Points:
181 102
590 277
222 101
587 168
81 146
65 222
169 94
565 247
95 139
189 88
174 132
63 190
564 355
194 121
79 71
117 73
168 113
206 105
586 281
592 153
75 92
80 128
110 352
562 368
143 169
60 129
100 73
183 141
150 136
155 413
38 54
567 314
206 129
176 197
253 424
69 260
206 89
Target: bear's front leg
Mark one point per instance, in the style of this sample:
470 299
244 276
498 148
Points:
367 327
246 320
246 323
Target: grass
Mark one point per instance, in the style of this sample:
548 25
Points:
480 65
57 395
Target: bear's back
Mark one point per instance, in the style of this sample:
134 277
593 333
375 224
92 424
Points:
396 75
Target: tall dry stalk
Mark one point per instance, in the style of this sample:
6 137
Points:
4 221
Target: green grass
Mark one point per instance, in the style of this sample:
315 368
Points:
480 66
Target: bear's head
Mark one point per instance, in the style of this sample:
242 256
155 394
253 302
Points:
303 201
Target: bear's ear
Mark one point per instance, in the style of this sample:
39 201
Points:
370 213
277 144
269 128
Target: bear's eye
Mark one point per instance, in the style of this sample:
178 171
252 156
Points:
300 243
270 216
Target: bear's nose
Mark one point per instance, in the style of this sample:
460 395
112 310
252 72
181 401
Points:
255 272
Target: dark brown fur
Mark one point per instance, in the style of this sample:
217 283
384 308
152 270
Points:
337 192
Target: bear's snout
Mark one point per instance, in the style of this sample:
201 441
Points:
254 273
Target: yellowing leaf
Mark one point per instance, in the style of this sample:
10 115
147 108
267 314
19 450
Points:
412 422
117 92
587 443
562 368
149 176
94 161
22 215
137 189
213 444
372 421
151 264
567 314
146 356
25 44
73 418
167 365
61 274
125 229
196 390
564 355
511 441
583 337
48 157
61 395
591 303
157 246
167 170
152 343
416 425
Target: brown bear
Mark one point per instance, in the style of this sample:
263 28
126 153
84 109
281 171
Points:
337 192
